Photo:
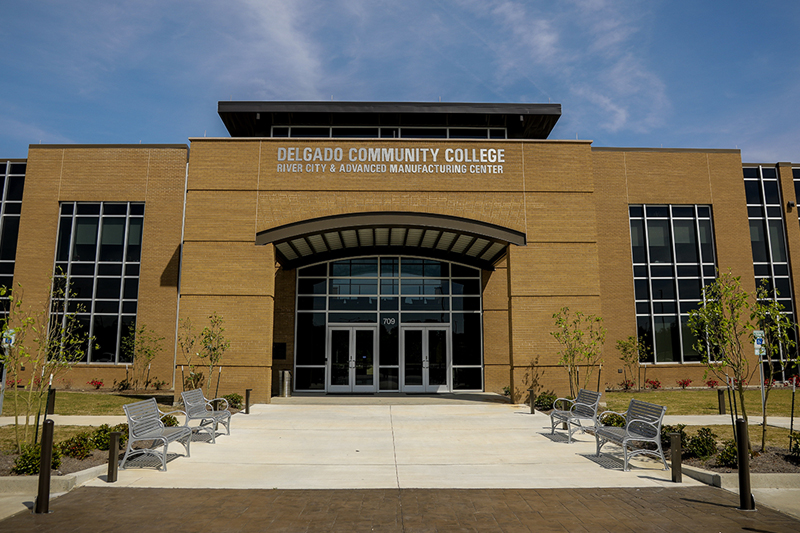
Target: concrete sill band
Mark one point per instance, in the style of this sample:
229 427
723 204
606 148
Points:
731 481
29 485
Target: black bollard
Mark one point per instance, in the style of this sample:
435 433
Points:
676 451
113 456
45 463
247 401
721 401
51 401
746 500
533 401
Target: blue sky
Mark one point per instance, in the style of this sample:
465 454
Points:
696 74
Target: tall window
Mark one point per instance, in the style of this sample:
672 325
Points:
767 232
673 258
98 254
12 182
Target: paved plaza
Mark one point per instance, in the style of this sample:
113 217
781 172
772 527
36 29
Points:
403 465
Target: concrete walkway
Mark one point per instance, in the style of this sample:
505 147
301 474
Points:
349 446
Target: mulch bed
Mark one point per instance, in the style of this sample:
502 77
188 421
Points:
771 461
69 465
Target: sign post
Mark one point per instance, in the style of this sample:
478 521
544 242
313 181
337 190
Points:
7 341
758 346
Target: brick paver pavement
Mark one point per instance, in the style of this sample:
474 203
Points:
121 510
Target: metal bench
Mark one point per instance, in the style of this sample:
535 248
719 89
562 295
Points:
199 408
584 407
144 424
642 424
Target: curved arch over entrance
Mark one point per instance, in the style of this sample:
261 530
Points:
449 238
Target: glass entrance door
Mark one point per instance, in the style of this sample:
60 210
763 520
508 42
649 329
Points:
351 359
425 362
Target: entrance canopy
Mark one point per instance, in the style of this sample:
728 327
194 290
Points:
444 237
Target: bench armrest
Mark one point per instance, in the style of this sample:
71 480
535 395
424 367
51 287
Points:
641 421
162 414
601 415
210 404
557 402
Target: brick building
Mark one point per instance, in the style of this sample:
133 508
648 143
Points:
385 247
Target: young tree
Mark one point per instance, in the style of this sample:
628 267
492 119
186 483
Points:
213 346
47 342
581 338
187 339
632 351
142 345
778 354
720 326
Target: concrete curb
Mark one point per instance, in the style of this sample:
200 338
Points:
58 484
731 481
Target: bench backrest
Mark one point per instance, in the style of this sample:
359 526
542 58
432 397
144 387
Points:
143 417
194 402
649 412
586 403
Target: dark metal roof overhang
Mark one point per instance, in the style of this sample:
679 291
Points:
443 237
522 121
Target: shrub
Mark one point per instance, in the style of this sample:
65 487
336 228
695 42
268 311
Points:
627 384
794 446
728 456
79 446
545 401
123 430
169 421
506 392
96 383
683 383
613 419
27 464
101 437
704 444
653 384
235 400
666 441
712 383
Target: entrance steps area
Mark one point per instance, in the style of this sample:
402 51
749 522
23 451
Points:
390 398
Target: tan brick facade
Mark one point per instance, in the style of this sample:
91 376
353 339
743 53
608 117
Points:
569 199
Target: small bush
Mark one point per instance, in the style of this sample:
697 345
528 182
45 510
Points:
545 401
712 383
794 447
235 400
101 437
728 456
506 392
613 419
79 446
653 384
169 421
627 384
96 383
704 444
27 464
123 431
666 441
683 383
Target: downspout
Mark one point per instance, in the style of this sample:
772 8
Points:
180 271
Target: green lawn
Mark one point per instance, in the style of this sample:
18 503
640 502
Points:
704 402
86 403
60 433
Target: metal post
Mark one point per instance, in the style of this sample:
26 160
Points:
247 401
45 463
677 451
746 500
533 401
721 401
113 456
51 401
